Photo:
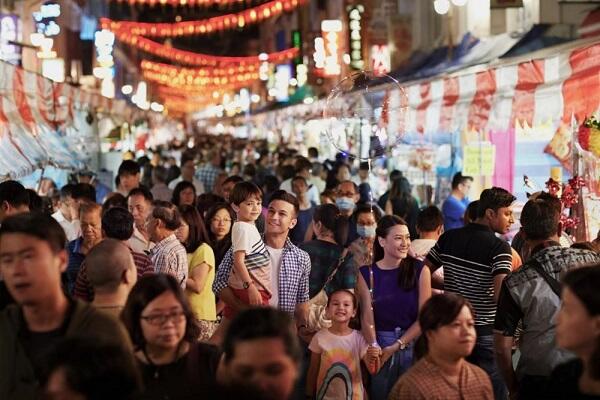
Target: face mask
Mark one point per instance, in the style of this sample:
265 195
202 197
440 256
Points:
345 203
366 231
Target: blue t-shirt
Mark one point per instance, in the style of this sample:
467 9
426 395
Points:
453 210
304 219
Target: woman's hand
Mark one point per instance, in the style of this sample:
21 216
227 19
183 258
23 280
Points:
387 353
254 297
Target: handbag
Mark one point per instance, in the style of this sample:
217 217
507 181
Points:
317 305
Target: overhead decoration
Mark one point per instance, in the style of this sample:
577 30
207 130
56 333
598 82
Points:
191 58
202 83
204 26
174 71
205 3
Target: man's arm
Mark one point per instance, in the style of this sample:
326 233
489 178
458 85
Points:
226 294
503 348
223 272
508 315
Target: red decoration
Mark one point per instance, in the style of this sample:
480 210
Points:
190 58
204 26
553 187
174 71
204 3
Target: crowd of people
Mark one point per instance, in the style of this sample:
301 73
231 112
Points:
242 273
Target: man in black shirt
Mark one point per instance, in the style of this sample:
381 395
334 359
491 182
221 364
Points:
475 263
32 257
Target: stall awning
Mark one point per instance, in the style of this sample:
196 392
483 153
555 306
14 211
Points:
36 115
550 85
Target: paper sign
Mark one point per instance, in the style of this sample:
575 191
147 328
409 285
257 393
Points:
479 160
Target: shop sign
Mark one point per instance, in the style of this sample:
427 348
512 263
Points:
479 159
327 48
10 31
506 3
355 29
380 59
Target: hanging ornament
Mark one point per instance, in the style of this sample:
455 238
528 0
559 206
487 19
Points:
204 26
199 59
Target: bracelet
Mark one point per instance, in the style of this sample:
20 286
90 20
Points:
402 344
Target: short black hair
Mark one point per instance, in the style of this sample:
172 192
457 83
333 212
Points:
287 197
471 211
262 323
117 223
67 191
540 217
299 178
365 208
243 191
142 191
429 219
584 282
313 152
148 288
364 166
36 204
84 191
301 164
441 310
494 199
233 179
168 213
459 178
160 173
13 193
180 187
41 226
97 370
114 200
128 167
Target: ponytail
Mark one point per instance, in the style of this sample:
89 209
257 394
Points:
331 218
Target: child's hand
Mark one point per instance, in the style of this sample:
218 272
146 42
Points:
373 359
254 297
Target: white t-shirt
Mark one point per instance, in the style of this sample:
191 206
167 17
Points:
313 193
72 228
275 255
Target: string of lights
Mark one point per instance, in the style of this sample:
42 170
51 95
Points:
174 71
203 3
199 59
205 26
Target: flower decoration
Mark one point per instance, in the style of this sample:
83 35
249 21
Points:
553 187
568 198
589 135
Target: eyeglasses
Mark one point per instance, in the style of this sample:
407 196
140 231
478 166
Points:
220 221
161 319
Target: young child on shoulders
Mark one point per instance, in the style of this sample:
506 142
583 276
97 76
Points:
336 353
250 278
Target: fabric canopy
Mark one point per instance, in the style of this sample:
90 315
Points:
38 122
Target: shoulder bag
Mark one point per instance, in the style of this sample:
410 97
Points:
317 306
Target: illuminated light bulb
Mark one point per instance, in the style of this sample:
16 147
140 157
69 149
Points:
441 6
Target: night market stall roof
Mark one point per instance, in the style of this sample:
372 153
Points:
549 85
41 122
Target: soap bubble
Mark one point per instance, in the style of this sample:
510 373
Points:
363 114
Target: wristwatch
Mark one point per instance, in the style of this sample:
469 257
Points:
402 344
246 285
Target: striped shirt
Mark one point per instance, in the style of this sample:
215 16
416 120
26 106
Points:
245 237
471 257
169 257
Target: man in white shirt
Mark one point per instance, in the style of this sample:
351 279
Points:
64 215
139 203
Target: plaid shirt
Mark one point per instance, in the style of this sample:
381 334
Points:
208 175
169 257
293 276
424 381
